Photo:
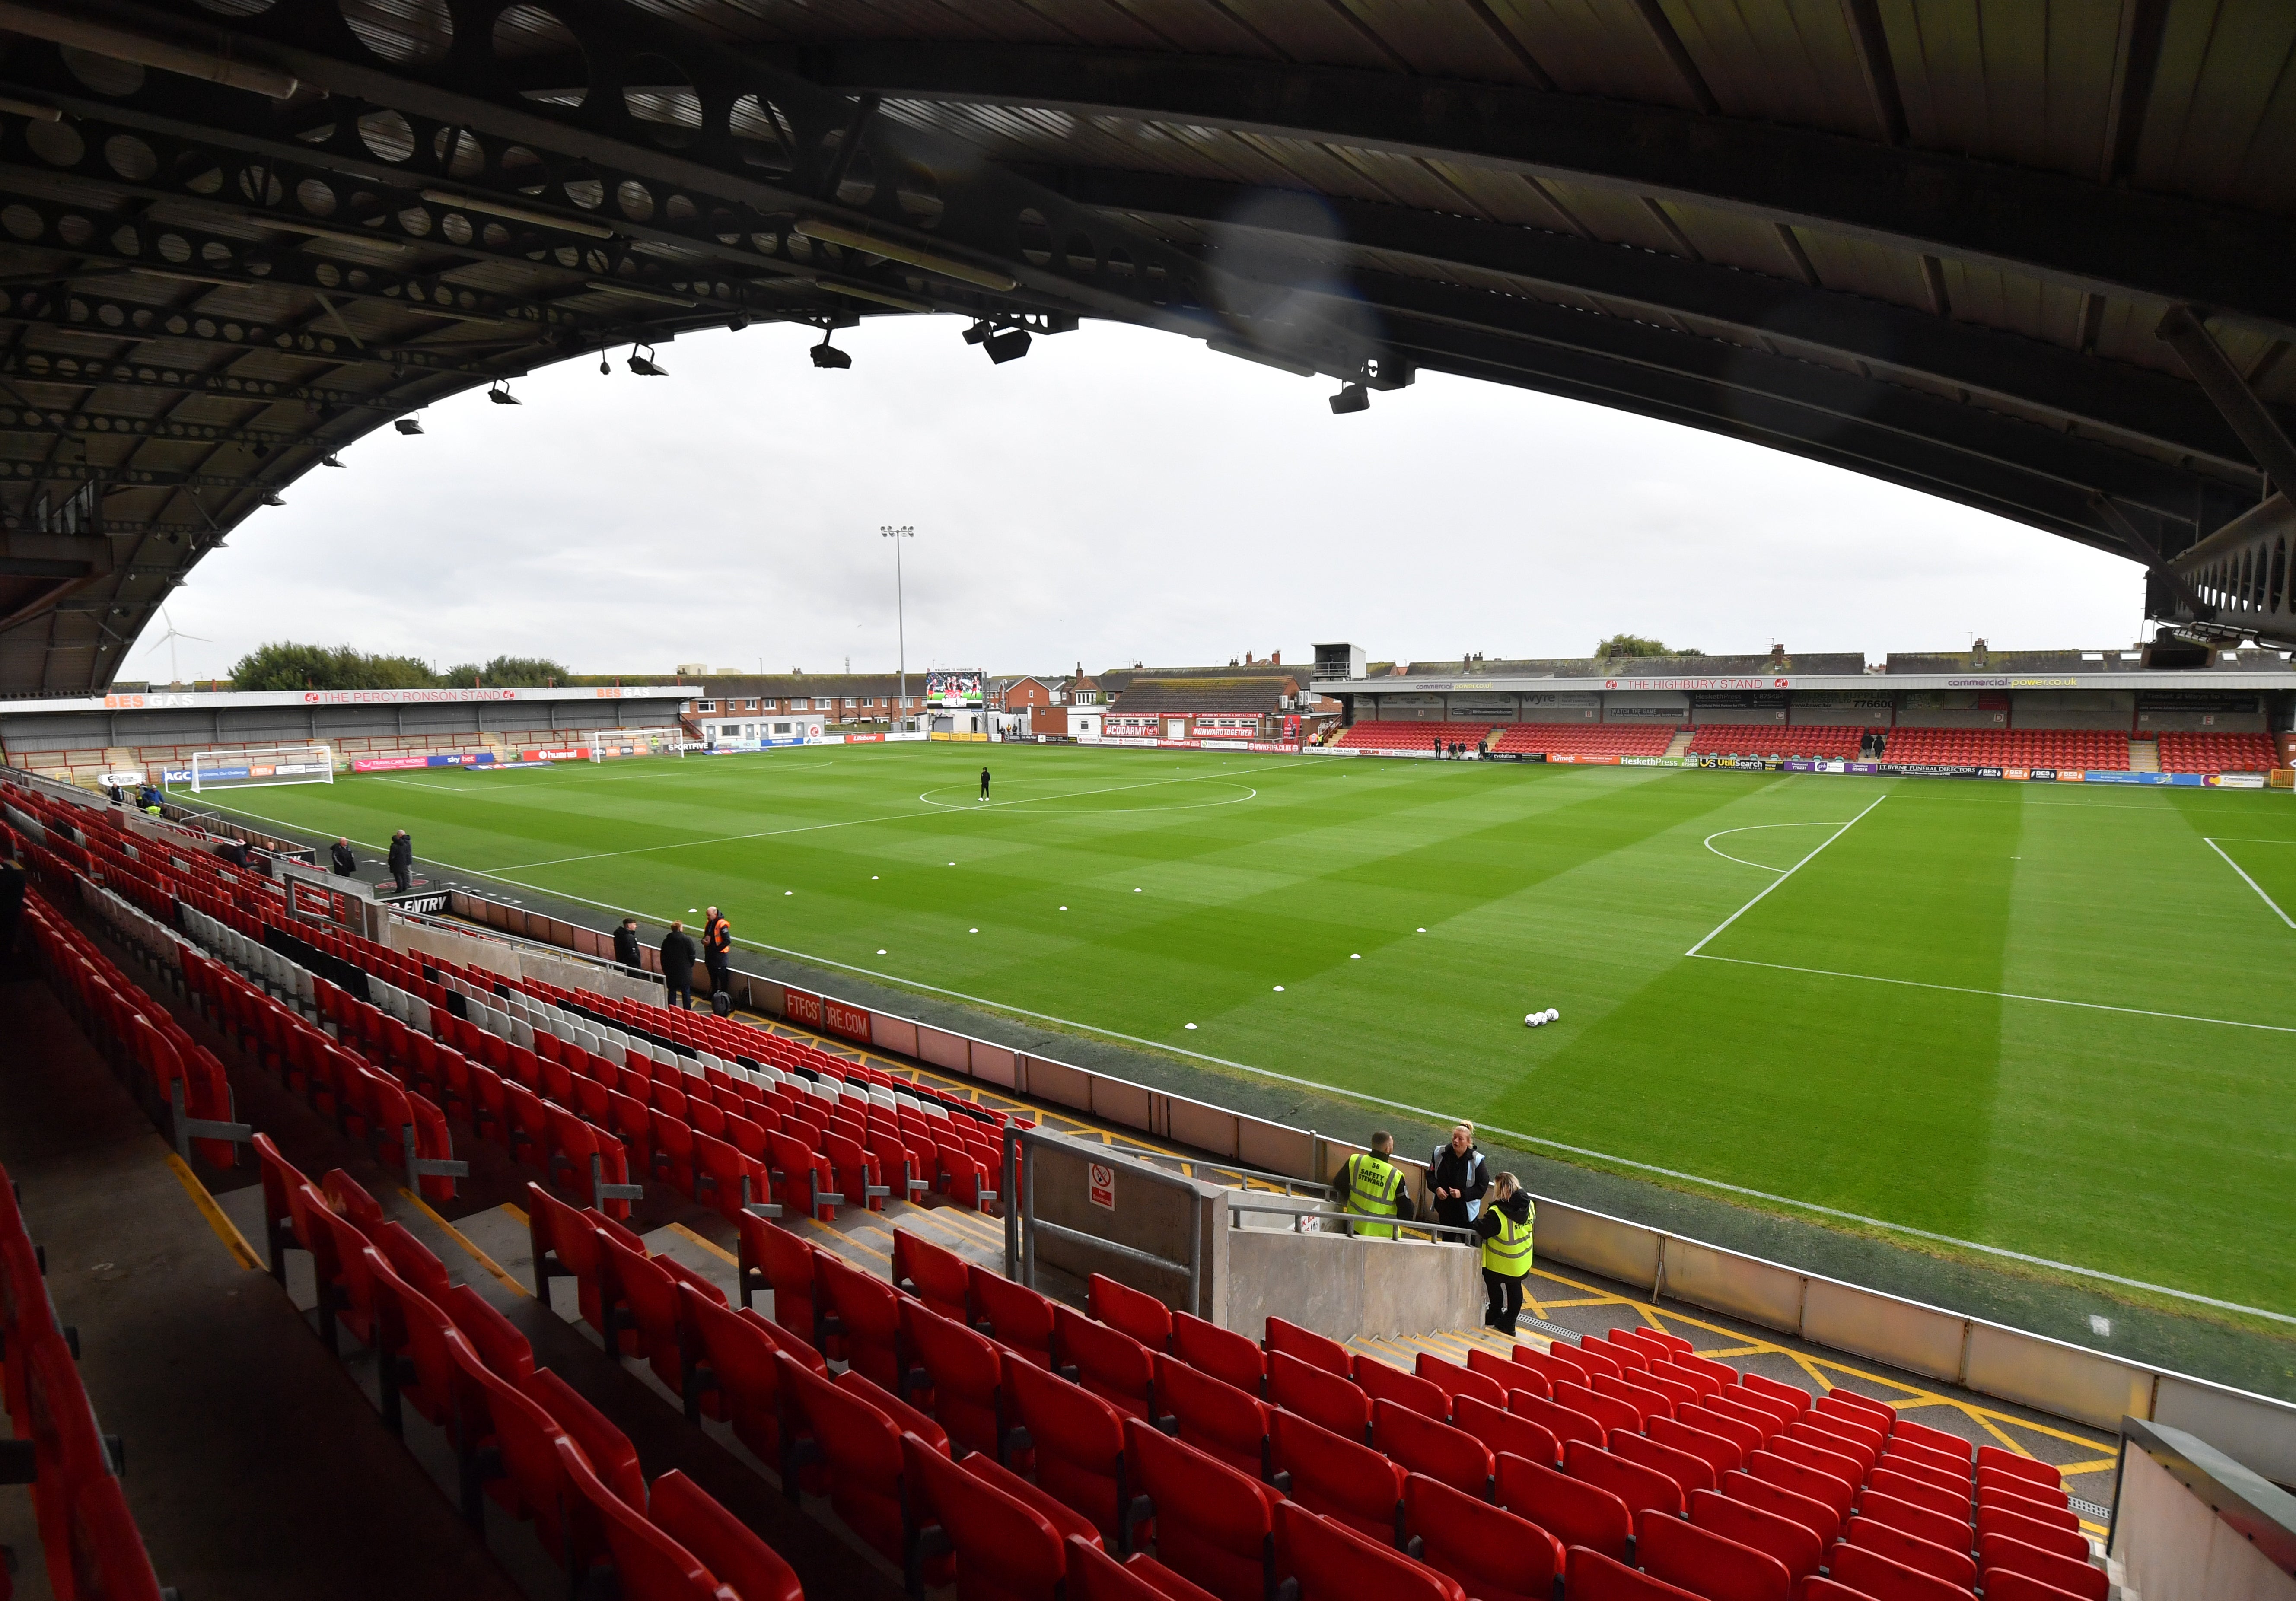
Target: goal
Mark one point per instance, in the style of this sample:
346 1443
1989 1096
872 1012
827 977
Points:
261 764
606 743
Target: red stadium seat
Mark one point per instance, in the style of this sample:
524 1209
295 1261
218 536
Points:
1111 1365
1688 1472
1954 1533
1220 1420
1795 1548
1079 1441
1816 1517
2046 1537
861 1445
1227 1356
1381 1382
863 1316
731 1373
1013 1315
1003 1546
1558 1420
1718 1453
965 1372
2005 1553
1576 1513
1927 1555
1323 1398
1918 1488
1807 1481
1501 1431
1423 1445
1590 1575
1786 1443
1455 1381
1335 1476
1304 1345
1635 1485
1871 1573
738 1559
1333 1563
1707 1563
774 1259
1130 1311
1215 1526
1494 1555
1093 1575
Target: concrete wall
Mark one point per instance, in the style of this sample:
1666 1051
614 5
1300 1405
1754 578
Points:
514 961
2173 1546
1153 1212
1343 1287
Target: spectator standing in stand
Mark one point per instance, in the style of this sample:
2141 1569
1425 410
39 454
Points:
340 858
717 952
626 946
1506 1227
402 860
677 966
1456 1178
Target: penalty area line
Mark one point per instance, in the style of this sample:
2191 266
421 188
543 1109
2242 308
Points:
2041 1000
2251 883
1782 877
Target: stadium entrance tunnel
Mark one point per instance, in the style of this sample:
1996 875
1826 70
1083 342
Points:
235 239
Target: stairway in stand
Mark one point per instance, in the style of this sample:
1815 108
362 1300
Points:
1681 745
2144 755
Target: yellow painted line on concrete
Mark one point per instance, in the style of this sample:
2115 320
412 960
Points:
224 1228
710 1245
468 1244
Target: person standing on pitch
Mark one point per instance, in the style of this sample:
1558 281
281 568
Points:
340 859
1506 1230
677 967
1370 1184
401 860
984 784
1456 1178
717 952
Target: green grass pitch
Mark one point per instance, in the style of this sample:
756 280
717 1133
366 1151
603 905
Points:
1278 904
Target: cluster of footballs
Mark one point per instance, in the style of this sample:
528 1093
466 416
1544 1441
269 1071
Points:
1536 1020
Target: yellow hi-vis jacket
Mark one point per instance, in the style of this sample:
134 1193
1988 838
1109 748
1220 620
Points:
1507 1252
1372 1186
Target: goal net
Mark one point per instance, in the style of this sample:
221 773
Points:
262 763
605 742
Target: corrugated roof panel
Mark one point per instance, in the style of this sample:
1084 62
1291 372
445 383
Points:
1595 48
1323 34
1733 239
2014 302
1611 214
1445 39
1198 27
1861 267
2222 119
1782 61
1501 196
1404 179
2030 83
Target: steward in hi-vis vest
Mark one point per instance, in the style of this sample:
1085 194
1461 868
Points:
1370 1184
1504 1226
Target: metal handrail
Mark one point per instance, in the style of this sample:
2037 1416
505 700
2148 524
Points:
1216 1165
1355 1218
1022 1225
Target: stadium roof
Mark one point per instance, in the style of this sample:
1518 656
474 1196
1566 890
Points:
1936 245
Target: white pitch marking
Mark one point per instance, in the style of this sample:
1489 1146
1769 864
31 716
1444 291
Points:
1782 877
2044 1000
1750 828
2251 883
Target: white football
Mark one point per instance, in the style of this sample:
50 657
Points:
1553 1013
1532 1020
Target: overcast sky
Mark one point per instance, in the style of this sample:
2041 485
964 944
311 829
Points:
1116 496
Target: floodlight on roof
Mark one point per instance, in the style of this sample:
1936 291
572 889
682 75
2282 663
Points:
828 355
331 460
408 425
1352 398
1009 345
501 396
644 366
272 497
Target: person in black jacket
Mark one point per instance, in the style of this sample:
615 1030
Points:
402 860
626 946
1456 1178
677 966
1506 1227
340 858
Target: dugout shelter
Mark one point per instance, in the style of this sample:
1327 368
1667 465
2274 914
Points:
2036 264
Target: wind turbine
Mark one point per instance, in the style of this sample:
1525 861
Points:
169 639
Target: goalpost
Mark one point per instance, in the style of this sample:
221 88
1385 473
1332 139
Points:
605 742
259 765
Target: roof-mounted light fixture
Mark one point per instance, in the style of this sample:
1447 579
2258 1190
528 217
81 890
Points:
1352 398
501 396
828 355
644 366
408 425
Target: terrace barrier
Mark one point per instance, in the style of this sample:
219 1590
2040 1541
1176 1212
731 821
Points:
2027 1369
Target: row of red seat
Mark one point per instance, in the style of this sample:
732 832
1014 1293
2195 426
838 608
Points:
1783 743
88 1538
1377 735
2208 752
1585 739
2086 750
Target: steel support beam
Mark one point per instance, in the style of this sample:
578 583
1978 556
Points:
2222 384
2112 240
2084 390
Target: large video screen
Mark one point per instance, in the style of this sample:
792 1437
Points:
953 689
